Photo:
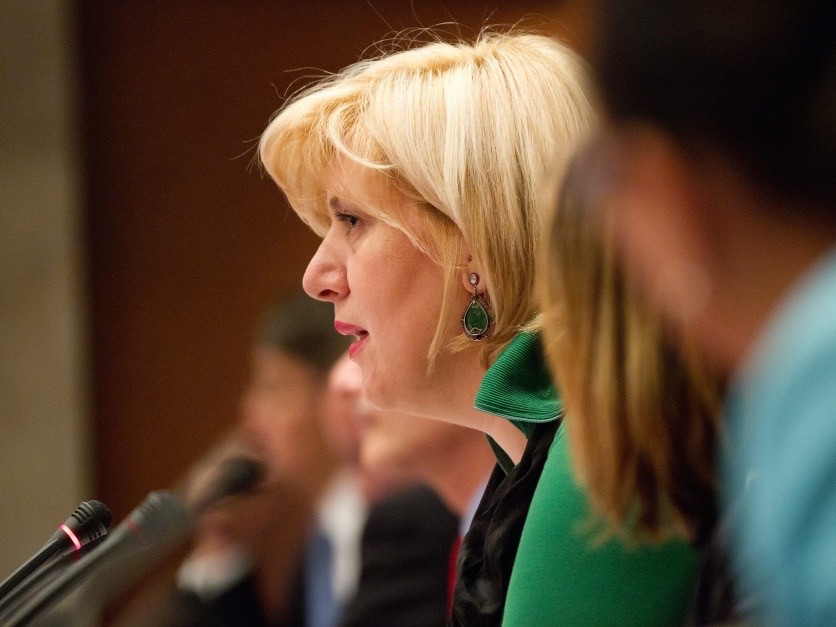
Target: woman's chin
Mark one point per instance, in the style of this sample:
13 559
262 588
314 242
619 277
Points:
380 395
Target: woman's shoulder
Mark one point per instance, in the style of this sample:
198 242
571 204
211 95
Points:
563 575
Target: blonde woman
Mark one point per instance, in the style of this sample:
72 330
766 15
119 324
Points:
421 170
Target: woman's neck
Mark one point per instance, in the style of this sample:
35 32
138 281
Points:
450 397
508 436
461 471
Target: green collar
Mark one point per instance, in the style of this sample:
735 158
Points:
519 387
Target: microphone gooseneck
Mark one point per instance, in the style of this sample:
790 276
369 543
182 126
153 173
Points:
89 521
141 539
41 577
162 517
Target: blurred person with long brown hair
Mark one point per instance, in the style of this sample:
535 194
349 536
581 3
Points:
643 413
719 175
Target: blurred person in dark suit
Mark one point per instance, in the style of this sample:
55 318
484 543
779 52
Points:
253 560
291 553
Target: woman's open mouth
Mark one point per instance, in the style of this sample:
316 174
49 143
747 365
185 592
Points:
361 335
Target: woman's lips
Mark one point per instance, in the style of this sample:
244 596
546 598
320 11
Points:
356 346
343 328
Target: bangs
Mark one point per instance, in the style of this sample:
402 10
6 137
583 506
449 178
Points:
301 149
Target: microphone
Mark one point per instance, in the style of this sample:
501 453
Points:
89 521
48 572
160 518
153 526
236 475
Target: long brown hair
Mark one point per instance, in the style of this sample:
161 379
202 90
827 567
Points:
642 414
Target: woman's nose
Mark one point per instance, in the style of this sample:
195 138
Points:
325 275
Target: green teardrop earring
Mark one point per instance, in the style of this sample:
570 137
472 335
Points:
477 322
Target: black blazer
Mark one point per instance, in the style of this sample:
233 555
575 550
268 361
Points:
406 563
405 555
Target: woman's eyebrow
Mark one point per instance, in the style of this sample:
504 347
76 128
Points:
337 204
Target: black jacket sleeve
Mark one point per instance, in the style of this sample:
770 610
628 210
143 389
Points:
404 577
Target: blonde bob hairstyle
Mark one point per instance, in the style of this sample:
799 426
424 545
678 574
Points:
642 414
465 130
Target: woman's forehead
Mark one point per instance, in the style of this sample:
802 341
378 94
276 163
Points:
353 183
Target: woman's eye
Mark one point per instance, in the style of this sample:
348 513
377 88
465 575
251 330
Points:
349 219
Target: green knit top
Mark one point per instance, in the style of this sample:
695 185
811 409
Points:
561 574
